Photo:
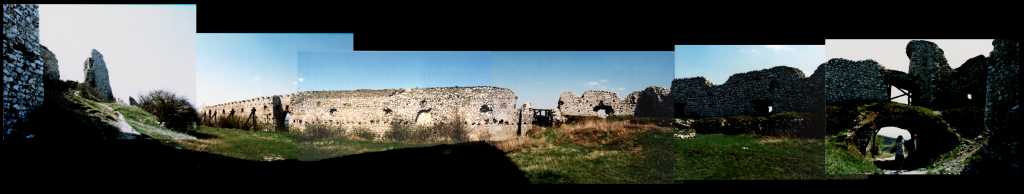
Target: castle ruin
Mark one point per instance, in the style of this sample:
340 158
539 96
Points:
487 111
595 103
761 92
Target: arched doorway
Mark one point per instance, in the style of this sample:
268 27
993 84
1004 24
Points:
931 135
891 146
603 110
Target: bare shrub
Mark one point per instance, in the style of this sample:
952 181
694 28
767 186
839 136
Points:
175 111
228 122
597 133
401 132
316 131
363 134
454 132
484 135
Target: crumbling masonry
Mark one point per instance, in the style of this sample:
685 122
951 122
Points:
487 111
23 64
777 89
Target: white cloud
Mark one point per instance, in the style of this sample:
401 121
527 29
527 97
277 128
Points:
257 78
778 47
302 79
750 51
601 85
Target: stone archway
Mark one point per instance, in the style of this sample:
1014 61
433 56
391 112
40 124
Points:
602 108
934 136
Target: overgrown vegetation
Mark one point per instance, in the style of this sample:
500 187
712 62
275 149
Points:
174 111
841 161
596 151
273 145
603 151
440 132
783 124
317 131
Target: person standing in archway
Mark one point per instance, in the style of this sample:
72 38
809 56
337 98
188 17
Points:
897 149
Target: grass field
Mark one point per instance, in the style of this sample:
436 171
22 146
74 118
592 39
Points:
717 157
612 151
842 162
262 145
655 156
251 145
648 161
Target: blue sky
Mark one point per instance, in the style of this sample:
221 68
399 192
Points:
145 47
536 77
718 62
241 66
539 77
399 69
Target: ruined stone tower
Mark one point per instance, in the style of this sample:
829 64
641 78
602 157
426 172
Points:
96 77
929 67
1003 111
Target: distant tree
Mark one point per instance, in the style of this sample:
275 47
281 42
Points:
174 111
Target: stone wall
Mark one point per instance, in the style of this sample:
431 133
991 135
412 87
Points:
847 80
488 111
255 112
928 66
51 71
1003 111
970 79
23 64
595 103
653 102
96 77
781 88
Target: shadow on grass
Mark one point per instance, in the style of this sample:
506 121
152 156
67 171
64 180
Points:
138 160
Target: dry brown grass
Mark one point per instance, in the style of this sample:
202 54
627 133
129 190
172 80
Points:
595 133
517 144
